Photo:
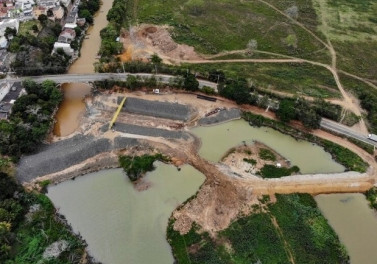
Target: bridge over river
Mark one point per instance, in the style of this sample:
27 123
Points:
91 77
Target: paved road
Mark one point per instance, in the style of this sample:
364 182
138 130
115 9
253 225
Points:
344 130
61 78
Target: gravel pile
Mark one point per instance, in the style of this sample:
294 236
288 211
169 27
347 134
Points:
149 131
60 155
222 116
157 109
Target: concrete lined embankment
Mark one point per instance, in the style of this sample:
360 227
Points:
66 153
159 109
150 131
222 116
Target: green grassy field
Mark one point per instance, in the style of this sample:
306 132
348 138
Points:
351 25
293 227
213 26
299 79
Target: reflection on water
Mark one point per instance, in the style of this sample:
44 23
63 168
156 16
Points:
216 140
71 109
354 222
122 225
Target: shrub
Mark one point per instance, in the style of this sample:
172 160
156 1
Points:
266 154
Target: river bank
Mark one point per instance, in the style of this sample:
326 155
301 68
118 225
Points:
223 196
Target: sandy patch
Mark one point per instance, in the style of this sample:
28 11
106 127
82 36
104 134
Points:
141 41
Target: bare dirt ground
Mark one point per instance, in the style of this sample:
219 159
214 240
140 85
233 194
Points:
140 42
234 159
224 195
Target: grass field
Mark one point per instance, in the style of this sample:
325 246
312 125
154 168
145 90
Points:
351 25
214 26
292 228
26 27
299 79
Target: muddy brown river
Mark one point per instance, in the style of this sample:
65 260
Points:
71 109
73 106
354 222
120 224
91 45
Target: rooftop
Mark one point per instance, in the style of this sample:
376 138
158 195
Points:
14 93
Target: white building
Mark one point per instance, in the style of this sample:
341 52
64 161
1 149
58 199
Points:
4 90
65 46
11 23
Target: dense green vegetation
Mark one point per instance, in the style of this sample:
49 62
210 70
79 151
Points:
266 154
371 196
24 236
342 155
251 161
31 118
187 82
117 16
271 171
307 232
34 51
136 166
345 156
293 226
87 9
292 78
194 248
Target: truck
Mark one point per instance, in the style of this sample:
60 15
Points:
372 137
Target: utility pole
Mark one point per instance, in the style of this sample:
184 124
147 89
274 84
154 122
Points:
124 71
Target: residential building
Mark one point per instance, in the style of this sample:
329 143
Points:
72 16
67 35
58 12
48 3
4 90
8 101
66 3
81 22
66 47
11 23
39 10
70 25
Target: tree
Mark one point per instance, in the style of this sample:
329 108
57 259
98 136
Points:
10 32
50 13
35 28
156 61
190 83
43 19
216 76
78 31
286 111
85 13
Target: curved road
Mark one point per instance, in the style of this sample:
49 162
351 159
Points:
344 130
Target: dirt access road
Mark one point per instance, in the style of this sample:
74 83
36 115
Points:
142 41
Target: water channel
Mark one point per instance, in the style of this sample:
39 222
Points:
354 222
91 46
216 140
121 224
71 109
73 106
